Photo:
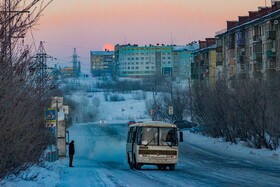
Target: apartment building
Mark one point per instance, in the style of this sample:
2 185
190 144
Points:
249 47
142 61
182 59
204 66
150 60
102 63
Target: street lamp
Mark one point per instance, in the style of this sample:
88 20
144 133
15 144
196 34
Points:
189 82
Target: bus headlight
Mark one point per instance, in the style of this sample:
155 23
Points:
172 157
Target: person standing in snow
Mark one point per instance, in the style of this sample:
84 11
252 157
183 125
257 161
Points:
71 153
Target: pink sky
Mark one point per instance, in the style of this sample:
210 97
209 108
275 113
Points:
90 24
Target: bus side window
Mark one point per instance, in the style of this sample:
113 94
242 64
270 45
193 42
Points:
129 135
139 136
133 137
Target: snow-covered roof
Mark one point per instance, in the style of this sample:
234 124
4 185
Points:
189 47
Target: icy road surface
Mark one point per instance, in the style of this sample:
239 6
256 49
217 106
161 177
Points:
100 161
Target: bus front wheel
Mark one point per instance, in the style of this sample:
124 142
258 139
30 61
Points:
136 165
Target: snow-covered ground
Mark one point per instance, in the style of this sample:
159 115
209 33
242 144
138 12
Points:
100 154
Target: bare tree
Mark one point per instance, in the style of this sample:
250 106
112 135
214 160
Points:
246 110
23 136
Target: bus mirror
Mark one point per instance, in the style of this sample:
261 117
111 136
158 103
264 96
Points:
181 136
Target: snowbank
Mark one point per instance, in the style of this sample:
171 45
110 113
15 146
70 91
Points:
219 146
35 176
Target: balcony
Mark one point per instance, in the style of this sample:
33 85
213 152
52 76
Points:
272 64
231 45
257 67
241 59
219 63
257 57
241 42
271 53
270 35
219 49
256 38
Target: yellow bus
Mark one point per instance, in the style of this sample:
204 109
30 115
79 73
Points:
152 143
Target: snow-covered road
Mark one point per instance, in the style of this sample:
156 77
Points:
100 161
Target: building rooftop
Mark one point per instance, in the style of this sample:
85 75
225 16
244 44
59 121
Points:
102 52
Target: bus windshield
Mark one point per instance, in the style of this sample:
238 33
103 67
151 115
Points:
163 136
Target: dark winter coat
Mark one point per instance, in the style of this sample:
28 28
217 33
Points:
71 148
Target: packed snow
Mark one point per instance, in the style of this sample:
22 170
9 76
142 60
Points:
100 154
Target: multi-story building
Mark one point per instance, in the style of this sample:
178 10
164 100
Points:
182 59
102 63
249 47
204 65
142 61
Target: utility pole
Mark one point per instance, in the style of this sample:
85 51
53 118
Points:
155 99
76 63
41 63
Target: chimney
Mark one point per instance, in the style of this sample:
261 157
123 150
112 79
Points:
231 24
253 14
275 5
210 41
243 19
202 44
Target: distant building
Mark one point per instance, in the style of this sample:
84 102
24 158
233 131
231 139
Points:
150 60
102 63
73 71
68 72
142 61
182 59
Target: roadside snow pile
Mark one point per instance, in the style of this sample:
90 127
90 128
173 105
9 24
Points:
47 175
219 146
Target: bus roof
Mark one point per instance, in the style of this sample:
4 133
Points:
153 124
